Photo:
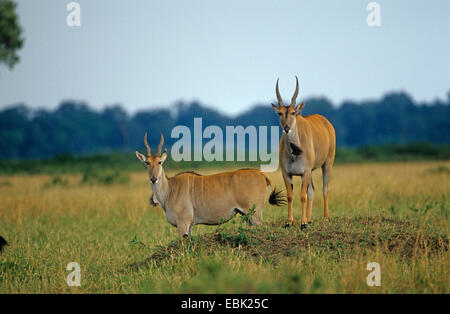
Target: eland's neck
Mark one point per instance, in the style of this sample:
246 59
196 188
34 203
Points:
292 137
161 189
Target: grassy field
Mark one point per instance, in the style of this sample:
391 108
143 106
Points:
395 214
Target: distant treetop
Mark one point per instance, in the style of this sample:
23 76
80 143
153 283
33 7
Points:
10 33
77 129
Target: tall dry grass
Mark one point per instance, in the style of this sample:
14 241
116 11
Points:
108 227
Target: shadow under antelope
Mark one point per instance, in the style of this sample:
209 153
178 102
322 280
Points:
189 199
307 143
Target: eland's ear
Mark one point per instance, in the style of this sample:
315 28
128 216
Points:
299 107
276 108
141 157
164 156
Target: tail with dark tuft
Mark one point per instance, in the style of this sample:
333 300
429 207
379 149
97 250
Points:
277 198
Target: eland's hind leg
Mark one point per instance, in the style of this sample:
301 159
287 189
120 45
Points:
310 193
256 218
306 179
326 172
259 210
253 213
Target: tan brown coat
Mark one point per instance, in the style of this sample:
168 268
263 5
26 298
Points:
190 199
307 143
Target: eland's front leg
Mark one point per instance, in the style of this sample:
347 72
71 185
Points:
184 221
289 187
184 229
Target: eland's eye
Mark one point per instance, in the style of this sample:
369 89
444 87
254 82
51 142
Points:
293 113
160 163
279 113
147 163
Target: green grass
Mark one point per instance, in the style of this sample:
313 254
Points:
395 214
272 259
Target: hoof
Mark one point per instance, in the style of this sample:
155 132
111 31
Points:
288 225
303 226
309 222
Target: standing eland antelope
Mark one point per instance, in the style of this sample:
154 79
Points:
189 199
307 143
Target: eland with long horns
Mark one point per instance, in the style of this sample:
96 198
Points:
307 143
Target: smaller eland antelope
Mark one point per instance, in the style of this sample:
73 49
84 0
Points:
307 143
190 199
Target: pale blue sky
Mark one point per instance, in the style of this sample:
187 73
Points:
227 54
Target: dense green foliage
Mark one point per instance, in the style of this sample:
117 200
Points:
10 33
76 129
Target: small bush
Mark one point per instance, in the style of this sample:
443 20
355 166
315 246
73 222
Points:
57 180
104 177
442 169
248 216
5 183
241 238
135 243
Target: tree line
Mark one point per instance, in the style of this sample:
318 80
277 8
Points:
77 129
